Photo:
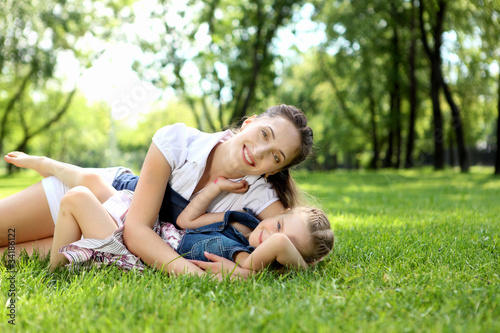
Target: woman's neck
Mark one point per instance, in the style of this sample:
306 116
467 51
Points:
217 165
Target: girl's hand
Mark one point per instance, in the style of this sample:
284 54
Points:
222 267
227 185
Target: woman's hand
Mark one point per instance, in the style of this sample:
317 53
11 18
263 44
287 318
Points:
222 267
227 185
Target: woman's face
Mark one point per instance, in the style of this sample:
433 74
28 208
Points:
264 146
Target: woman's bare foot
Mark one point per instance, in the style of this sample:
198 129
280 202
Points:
23 160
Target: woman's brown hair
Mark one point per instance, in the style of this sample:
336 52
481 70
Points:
282 181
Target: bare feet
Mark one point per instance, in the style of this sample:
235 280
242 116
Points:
23 160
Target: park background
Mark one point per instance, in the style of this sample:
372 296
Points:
385 84
404 99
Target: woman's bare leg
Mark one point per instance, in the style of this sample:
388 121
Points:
27 214
28 211
69 174
45 166
80 213
41 247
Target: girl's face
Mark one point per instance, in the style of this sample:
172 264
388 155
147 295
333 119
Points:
264 146
292 224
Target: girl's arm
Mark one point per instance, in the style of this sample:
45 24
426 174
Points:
138 234
195 214
277 247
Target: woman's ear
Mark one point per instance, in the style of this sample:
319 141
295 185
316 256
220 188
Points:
271 173
248 121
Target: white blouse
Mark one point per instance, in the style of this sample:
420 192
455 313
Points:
186 149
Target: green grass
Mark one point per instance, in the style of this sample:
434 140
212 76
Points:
416 251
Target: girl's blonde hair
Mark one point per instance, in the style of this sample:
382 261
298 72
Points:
322 237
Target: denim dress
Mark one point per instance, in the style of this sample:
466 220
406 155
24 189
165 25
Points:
218 238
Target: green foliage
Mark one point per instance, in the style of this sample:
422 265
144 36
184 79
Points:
134 140
415 251
353 71
222 60
35 35
84 137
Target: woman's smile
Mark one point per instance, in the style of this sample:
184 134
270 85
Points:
247 157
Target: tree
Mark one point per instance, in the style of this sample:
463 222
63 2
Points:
497 159
33 36
438 82
393 158
374 35
221 60
412 90
378 33
434 55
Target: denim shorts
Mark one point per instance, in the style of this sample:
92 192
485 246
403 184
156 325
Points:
125 181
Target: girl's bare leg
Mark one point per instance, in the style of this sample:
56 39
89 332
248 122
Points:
80 214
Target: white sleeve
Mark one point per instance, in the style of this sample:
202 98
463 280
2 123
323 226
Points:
259 196
173 140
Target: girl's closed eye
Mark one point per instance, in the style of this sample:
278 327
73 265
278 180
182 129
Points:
279 226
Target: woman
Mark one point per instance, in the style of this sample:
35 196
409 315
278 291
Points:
188 160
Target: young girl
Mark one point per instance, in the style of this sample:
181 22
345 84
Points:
297 237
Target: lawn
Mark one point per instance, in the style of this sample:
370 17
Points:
415 251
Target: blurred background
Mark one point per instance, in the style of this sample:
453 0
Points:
384 83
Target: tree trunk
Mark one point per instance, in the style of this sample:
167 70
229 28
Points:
451 149
260 57
398 138
413 94
207 114
435 60
192 106
373 123
394 135
397 100
348 113
259 53
438 118
387 163
457 126
497 161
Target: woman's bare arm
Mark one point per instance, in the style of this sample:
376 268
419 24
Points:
276 208
138 234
